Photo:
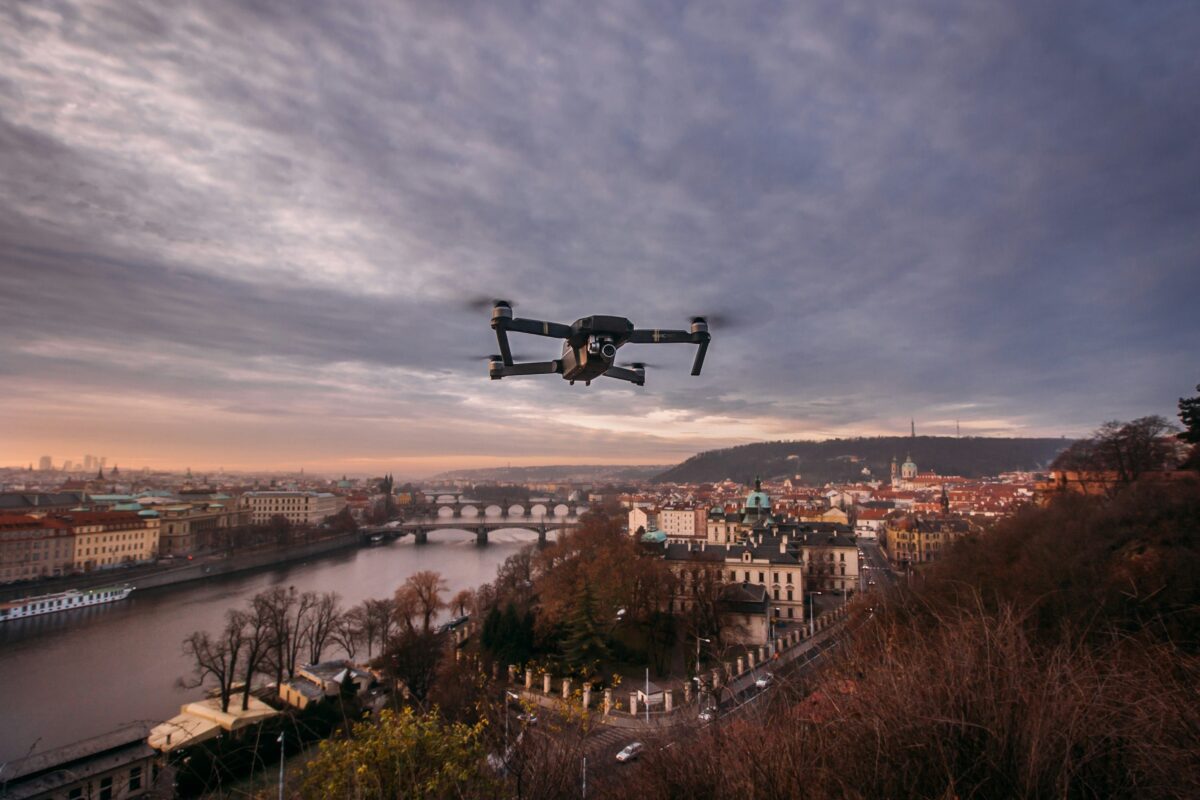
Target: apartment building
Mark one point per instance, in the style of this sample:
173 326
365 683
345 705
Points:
298 508
33 547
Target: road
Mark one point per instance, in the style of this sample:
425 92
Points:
743 701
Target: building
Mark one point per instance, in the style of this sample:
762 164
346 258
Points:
34 547
45 464
683 522
189 527
915 539
40 502
644 519
116 765
106 539
315 682
298 508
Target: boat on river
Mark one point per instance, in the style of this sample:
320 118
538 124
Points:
62 601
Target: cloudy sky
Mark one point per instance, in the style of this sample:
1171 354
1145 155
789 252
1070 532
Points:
239 233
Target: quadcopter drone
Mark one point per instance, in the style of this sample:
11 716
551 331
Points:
589 346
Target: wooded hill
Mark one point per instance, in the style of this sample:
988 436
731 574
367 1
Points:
839 460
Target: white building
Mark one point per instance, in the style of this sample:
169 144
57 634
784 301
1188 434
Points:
298 508
679 522
644 518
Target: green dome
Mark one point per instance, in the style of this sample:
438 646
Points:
654 537
758 500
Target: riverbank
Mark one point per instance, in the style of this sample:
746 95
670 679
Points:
183 571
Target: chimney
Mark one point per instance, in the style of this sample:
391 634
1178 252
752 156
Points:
783 545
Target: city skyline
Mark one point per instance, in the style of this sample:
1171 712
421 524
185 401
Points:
243 239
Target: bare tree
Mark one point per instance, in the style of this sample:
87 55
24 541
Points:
427 587
324 618
462 601
256 630
1119 453
290 615
348 631
379 620
216 658
406 607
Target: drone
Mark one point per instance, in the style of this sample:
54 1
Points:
589 348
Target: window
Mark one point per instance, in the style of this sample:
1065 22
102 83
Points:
789 577
791 614
777 594
747 576
135 778
106 788
762 577
75 794
789 594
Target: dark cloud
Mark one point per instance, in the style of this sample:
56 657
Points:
923 206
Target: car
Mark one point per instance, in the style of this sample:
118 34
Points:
870 583
528 717
631 752
764 681
707 715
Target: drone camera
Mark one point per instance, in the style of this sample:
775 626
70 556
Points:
602 346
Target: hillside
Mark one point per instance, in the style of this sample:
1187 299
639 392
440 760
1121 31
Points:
844 459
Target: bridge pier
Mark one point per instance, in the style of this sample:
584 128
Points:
421 536
481 537
541 531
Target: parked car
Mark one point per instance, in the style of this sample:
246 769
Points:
528 717
870 583
631 752
707 715
764 681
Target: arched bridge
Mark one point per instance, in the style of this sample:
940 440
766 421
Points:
453 512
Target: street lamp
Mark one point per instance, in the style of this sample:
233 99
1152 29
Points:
812 609
700 639
281 748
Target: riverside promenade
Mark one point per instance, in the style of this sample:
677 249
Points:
201 567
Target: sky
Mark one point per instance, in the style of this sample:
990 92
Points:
242 234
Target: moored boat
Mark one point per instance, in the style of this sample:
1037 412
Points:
62 601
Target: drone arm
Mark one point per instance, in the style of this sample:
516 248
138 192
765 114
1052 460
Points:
623 374
498 371
554 330
700 352
647 336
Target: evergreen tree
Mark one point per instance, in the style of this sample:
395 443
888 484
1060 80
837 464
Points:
585 643
509 635
491 623
1189 415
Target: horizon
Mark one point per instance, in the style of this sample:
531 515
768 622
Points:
225 469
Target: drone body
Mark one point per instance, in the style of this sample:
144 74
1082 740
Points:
589 347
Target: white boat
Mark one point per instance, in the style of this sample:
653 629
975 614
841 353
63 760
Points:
62 601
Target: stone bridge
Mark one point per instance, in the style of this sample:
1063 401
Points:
454 512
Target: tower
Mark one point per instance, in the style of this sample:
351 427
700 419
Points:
895 471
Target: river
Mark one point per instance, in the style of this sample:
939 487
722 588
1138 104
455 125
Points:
76 674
